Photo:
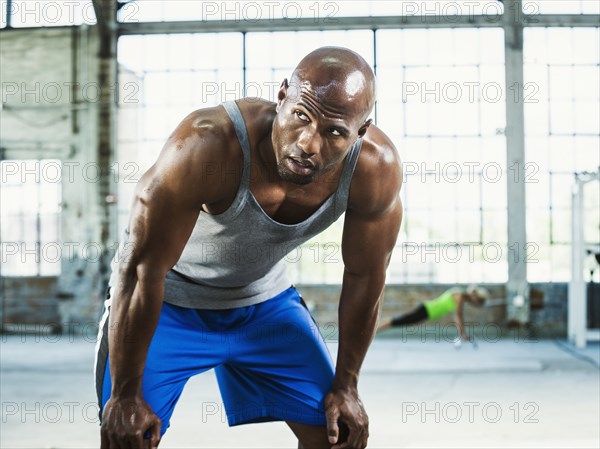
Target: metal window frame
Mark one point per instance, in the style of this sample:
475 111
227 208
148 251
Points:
513 25
37 216
342 23
577 330
513 21
362 23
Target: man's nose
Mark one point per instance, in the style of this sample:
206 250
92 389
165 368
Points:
310 141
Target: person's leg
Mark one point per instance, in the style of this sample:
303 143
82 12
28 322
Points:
173 357
279 370
418 315
385 325
310 437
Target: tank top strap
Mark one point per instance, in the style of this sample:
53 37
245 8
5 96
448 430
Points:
241 132
343 190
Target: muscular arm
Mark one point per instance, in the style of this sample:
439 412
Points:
367 248
370 231
167 201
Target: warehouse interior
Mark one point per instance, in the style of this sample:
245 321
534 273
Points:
494 107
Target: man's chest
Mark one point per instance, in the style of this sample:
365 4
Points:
290 206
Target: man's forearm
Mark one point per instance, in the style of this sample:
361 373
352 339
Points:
134 315
359 307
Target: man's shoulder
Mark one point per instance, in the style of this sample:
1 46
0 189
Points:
258 115
197 153
213 127
204 136
378 151
378 175
204 126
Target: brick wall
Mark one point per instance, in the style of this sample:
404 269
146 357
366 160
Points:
548 322
29 301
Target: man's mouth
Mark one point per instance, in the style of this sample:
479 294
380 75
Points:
300 166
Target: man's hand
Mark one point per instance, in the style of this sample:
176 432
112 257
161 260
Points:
345 405
126 421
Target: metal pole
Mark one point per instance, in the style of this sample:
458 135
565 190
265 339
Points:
517 289
576 325
106 16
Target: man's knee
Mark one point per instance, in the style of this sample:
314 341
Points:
310 437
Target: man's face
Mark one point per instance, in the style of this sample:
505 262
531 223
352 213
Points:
313 131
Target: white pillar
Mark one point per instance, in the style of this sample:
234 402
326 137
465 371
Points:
517 289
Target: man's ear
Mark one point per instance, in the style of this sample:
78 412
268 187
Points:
282 94
363 129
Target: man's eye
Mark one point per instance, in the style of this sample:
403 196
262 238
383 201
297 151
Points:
302 116
335 132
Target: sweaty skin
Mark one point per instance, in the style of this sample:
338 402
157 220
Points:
297 150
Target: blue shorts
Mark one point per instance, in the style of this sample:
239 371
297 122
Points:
270 360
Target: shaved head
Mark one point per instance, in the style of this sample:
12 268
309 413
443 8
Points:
336 73
321 113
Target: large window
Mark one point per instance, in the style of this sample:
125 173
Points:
441 98
36 13
178 82
30 213
562 129
441 101
163 78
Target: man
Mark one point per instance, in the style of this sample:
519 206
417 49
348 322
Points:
235 188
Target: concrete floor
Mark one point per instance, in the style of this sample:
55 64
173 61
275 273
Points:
418 395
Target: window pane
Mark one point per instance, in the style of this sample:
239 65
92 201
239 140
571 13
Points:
12 229
591 214
283 50
50 259
30 206
532 7
439 101
494 228
444 97
35 13
49 227
562 136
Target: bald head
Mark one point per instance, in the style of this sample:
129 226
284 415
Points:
337 74
321 113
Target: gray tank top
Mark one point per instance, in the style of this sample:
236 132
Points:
235 259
